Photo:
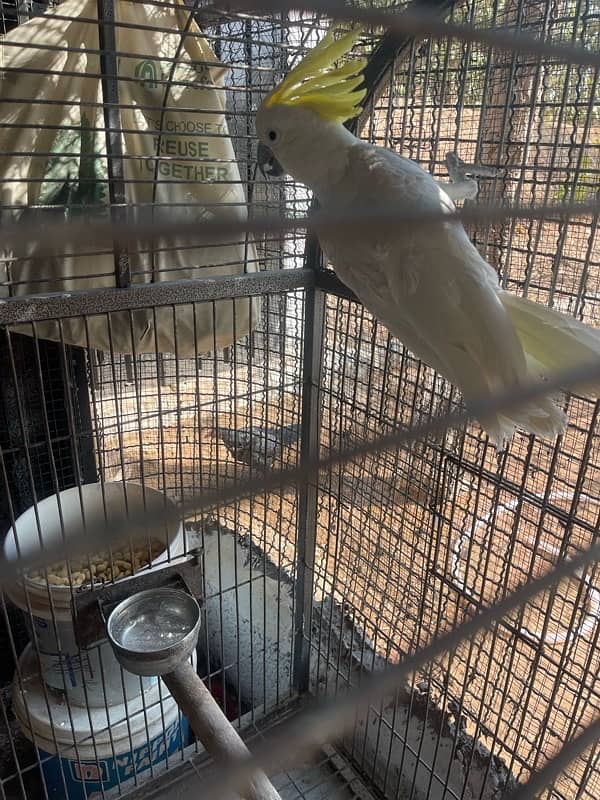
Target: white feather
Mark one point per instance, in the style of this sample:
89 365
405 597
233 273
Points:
553 341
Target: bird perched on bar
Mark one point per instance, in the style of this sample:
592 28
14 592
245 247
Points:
427 284
258 446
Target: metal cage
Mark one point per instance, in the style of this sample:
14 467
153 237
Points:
312 587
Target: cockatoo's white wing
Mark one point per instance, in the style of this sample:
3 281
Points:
429 285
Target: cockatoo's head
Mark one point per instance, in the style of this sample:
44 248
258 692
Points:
314 98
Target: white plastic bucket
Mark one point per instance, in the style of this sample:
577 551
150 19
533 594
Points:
84 752
89 677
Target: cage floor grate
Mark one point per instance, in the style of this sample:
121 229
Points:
331 777
327 776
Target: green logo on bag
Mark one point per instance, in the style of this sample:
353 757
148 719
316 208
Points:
75 176
146 72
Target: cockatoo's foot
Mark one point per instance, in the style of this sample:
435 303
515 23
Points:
463 185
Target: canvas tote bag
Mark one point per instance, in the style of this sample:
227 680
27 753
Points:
177 154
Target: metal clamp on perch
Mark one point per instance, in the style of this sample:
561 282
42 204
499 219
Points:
154 632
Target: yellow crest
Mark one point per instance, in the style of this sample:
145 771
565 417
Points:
331 92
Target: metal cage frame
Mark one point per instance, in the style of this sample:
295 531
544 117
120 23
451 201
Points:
342 637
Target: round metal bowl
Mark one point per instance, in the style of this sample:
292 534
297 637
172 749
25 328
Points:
154 631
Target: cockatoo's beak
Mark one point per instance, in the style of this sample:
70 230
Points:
267 163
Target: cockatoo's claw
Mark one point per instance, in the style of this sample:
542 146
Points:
458 169
460 187
454 166
463 185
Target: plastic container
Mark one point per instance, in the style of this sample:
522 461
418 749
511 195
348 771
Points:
85 752
89 677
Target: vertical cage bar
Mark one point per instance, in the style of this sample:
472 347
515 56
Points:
377 68
79 380
309 450
112 120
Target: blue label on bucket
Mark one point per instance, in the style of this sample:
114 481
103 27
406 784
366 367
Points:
78 780
71 667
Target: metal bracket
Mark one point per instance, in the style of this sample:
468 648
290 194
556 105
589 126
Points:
91 608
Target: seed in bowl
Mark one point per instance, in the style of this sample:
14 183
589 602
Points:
104 566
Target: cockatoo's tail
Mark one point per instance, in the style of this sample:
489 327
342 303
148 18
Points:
316 83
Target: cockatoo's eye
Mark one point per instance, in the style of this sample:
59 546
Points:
272 135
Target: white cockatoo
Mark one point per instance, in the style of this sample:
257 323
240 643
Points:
428 285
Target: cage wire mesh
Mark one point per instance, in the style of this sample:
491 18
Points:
395 548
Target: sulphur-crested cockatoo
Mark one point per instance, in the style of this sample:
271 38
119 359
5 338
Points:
428 285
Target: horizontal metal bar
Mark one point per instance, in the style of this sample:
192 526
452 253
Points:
20 236
60 305
424 23
169 30
392 47
329 282
541 503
